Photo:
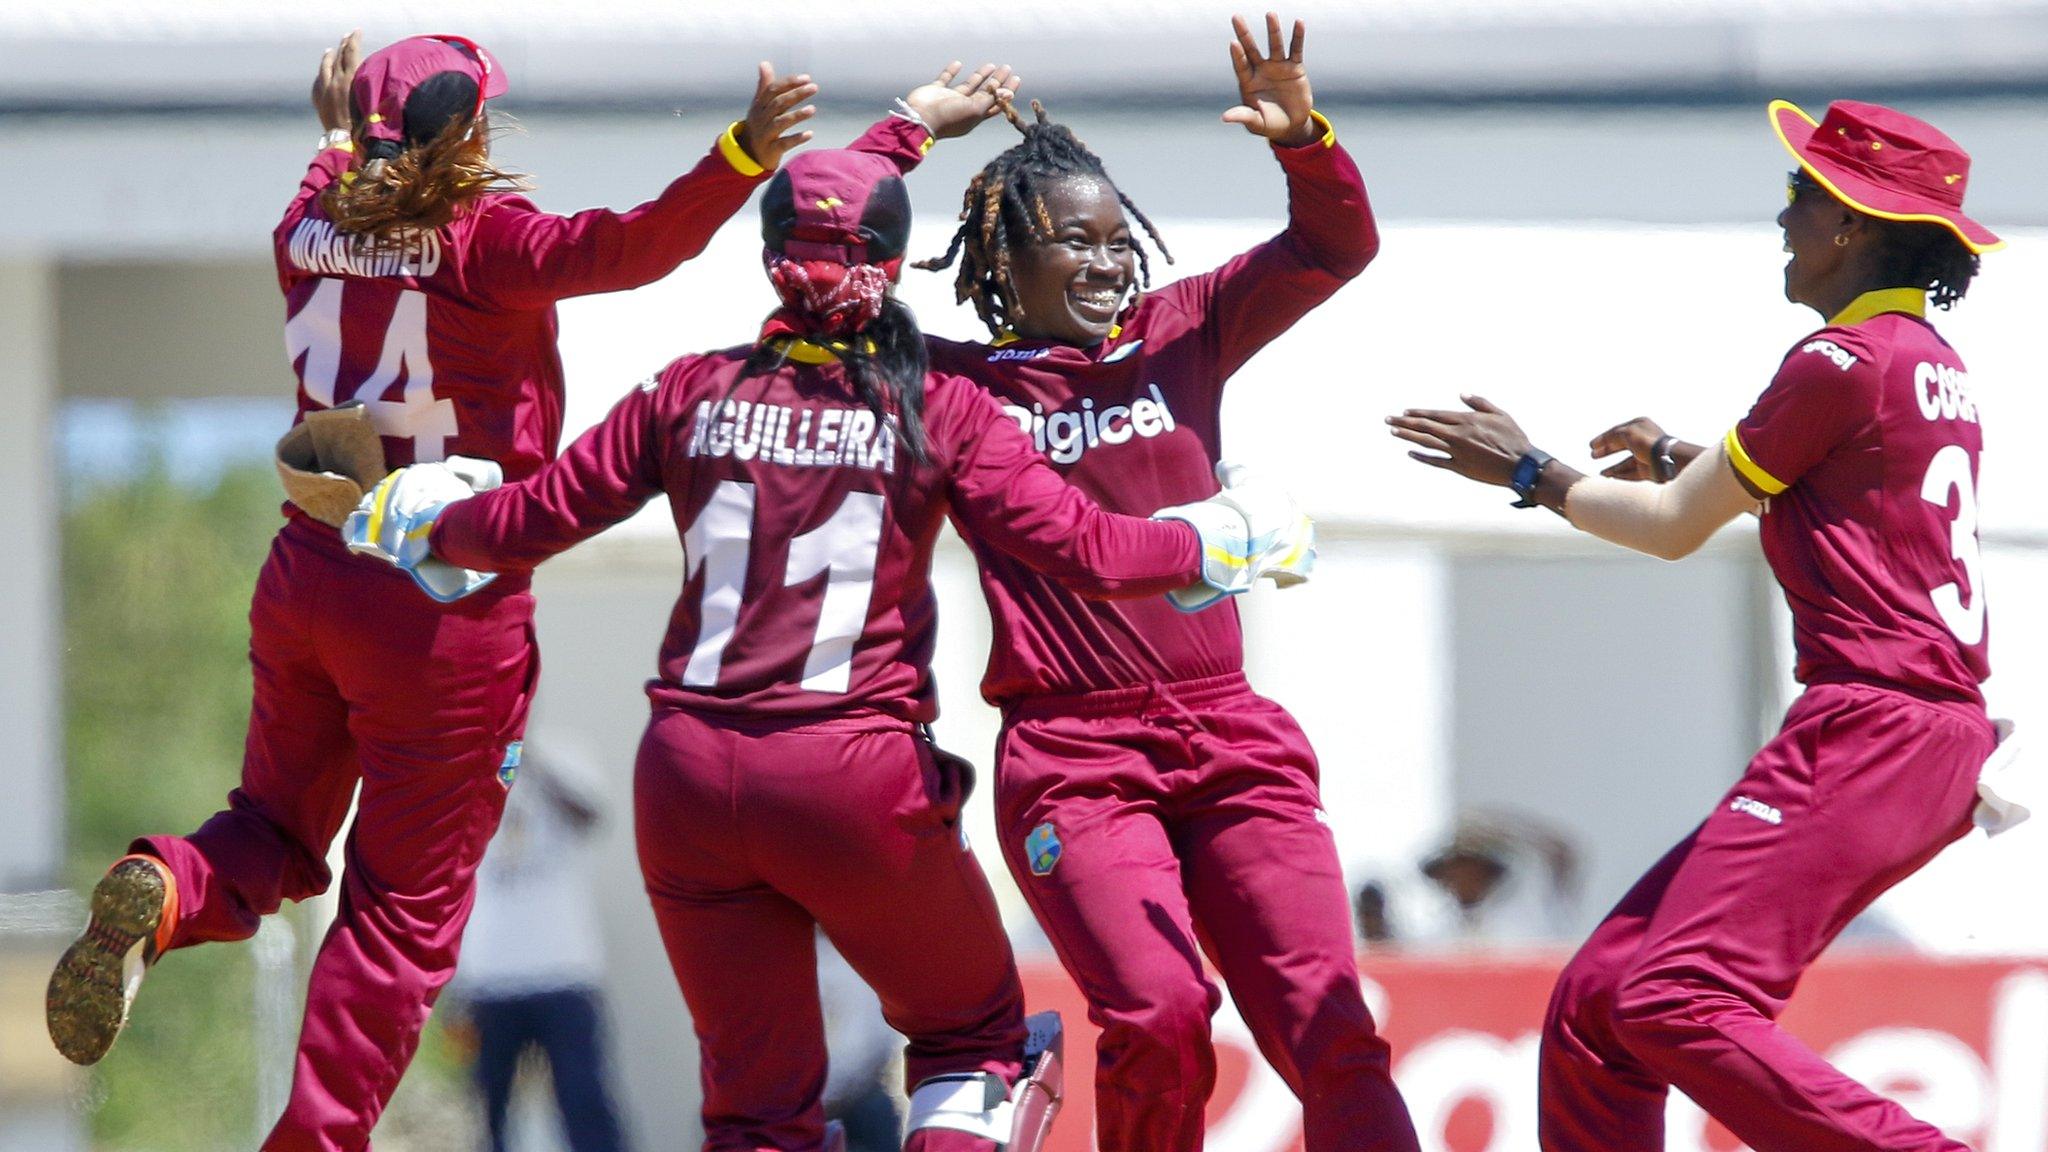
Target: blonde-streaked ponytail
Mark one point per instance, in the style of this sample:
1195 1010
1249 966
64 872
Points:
423 188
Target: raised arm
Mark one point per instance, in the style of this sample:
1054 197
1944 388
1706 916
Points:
1330 235
330 104
603 478
526 258
1006 496
943 108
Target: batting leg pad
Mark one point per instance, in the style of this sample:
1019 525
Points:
980 1104
1036 1100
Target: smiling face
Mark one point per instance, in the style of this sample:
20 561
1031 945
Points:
1811 222
1071 284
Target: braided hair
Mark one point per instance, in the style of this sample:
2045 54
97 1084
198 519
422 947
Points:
1005 206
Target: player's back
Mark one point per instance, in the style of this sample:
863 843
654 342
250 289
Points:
415 330
1876 543
807 521
807 531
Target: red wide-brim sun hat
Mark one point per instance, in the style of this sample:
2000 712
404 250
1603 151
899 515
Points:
1884 163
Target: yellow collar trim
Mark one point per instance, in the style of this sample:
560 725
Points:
811 352
1911 301
1009 336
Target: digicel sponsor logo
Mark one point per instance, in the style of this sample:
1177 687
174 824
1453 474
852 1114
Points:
1963 1045
1065 434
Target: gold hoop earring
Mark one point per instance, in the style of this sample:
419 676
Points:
1841 241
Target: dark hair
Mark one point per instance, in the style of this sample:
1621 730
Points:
1921 254
887 363
1005 203
442 166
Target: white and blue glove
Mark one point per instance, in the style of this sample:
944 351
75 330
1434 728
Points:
1250 529
396 519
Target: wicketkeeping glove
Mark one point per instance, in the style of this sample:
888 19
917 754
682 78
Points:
1248 530
396 518
1281 538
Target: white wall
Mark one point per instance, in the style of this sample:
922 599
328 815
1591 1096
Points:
31 670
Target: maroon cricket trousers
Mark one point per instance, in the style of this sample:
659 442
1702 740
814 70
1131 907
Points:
753 834
1682 984
1151 826
359 676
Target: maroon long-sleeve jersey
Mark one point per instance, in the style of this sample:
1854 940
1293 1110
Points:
1867 443
450 337
1135 423
807 529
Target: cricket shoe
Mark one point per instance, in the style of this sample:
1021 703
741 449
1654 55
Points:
134 908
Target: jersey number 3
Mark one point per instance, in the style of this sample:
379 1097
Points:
1948 472
315 333
719 544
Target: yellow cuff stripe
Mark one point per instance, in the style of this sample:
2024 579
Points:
926 147
1329 133
344 146
735 153
1751 471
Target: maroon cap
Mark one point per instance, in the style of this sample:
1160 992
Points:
386 82
1884 163
837 205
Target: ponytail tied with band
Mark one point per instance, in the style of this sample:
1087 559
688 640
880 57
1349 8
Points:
827 298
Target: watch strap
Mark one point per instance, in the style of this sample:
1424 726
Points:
1528 470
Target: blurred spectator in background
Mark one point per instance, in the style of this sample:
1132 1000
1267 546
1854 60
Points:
1497 879
532 959
1509 879
1375 926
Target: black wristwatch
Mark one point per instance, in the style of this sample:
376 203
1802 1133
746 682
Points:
1663 466
1528 470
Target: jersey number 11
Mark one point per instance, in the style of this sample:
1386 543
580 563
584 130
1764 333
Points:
719 543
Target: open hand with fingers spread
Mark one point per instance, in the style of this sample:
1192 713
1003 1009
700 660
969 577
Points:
1482 444
952 107
770 129
330 83
1273 95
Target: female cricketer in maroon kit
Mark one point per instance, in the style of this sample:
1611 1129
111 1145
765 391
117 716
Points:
418 286
1863 451
783 782
1152 807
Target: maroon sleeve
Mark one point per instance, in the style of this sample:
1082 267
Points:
604 477
526 258
325 169
897 139
1005 495
327 165
1825 392
1330 238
